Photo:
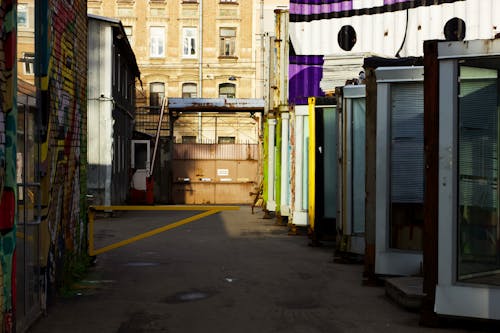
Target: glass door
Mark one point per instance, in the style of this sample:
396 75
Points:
478 223
28 274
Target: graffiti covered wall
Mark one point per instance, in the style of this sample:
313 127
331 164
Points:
8 192
61 73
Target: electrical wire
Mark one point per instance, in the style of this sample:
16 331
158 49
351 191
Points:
404 38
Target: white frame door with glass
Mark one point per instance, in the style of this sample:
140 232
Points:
468 212
400 171
354 168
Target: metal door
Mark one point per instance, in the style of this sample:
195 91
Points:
28 273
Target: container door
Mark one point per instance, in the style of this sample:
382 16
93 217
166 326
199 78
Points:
355 173
326 169
406 166
469 228
28 273
478 226
400 171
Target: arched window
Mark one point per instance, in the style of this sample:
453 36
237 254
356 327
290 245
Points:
227 90
189 90
156 93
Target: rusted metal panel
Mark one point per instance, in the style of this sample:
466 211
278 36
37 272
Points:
216 104
214 174
213 193
194 151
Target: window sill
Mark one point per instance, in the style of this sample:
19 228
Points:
224 57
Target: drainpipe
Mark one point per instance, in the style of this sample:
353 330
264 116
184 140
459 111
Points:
312 163
271 201
285 119
277 166
200 65
300 144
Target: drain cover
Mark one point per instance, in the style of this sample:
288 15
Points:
188 296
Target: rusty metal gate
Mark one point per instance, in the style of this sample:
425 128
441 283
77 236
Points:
214 173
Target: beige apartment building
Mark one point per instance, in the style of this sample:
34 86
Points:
196 49
26 42
193 48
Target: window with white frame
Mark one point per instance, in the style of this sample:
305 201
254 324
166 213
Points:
156 94
227 42
189 90
157 42
22 15
227 90
129 32
229 1
189 42
28 61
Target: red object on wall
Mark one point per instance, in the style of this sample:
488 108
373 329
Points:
149 190
7 210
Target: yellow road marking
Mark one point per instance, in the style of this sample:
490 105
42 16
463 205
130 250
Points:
210 210
165 207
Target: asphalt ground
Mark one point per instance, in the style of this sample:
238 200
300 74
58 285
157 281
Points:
229 272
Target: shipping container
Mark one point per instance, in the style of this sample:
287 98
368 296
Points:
300 166
325 30
322 167
399 170
462 251
352 170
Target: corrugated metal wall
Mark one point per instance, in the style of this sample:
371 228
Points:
214 173
386 28
194 151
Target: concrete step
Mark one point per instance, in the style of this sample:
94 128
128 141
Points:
406 291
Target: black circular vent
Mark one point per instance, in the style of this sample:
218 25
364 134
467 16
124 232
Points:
347 37
454 29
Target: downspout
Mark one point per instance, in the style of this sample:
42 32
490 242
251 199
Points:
265 159
277 167
299 156
285 119
271 200
312 163
200 66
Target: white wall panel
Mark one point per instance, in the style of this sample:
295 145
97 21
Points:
384 33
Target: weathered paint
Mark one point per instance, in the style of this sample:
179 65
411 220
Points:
271 165
299 161
214 173
312 163
61 35
285 164
265 159
277 159
217 104
386 28
8 152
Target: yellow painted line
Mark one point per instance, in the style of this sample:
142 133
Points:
91 215
164 207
